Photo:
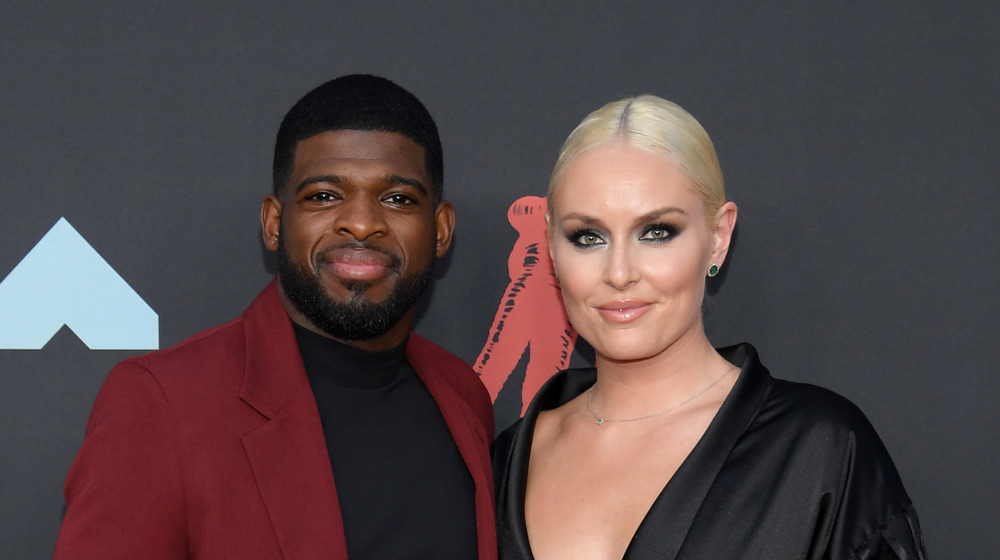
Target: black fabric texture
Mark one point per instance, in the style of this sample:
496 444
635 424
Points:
403 488
785 471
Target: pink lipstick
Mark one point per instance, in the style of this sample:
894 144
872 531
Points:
624 311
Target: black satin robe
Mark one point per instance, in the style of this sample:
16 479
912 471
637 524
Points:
784 471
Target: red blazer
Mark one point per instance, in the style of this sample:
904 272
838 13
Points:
214 449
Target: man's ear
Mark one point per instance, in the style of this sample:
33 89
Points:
270 221
444 224
723 233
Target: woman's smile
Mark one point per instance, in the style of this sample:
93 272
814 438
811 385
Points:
624 311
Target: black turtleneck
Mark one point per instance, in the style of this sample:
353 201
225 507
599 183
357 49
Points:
403 488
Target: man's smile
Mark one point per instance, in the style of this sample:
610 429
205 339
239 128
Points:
358 263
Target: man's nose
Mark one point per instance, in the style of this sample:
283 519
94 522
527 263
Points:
361 217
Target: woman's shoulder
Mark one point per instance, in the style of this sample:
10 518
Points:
816 407
791 405
559 390
814 425
800 418
830 441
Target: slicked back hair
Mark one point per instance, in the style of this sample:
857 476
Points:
659 126
358 102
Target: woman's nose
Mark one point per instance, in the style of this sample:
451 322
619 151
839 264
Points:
621 270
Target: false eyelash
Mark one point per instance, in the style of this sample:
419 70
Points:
671 230
575 235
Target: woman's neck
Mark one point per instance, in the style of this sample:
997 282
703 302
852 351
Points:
633 388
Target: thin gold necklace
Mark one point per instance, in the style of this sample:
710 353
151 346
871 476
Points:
599 420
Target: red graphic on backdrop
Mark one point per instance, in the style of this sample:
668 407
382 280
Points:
531 314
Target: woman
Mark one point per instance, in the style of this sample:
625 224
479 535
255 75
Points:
669 448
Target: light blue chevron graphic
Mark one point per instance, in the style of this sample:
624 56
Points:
64 281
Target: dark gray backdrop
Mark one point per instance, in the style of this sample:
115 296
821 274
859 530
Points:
860 142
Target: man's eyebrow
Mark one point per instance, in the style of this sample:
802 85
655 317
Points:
387 179
400 180
317 179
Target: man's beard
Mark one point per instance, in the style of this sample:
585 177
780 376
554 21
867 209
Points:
357 318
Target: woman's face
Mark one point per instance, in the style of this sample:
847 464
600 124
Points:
631 245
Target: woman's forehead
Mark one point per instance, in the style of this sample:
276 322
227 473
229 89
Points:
612 174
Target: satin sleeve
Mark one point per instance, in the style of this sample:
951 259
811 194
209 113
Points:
898 539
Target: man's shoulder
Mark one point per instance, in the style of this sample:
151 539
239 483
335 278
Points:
431 360
220 343
427 356
428 351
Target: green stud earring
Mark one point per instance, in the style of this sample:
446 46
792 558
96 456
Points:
713 270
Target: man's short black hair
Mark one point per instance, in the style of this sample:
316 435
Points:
358 102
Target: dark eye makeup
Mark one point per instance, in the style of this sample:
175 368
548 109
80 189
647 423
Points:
585 237
659 232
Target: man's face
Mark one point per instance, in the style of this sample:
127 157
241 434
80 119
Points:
356 228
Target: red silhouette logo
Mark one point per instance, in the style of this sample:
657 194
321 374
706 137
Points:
531 314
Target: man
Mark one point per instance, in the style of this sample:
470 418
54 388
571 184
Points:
316 425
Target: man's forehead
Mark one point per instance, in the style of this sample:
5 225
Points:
340 155
354 143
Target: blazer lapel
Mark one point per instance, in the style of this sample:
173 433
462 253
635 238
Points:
288 453
470 437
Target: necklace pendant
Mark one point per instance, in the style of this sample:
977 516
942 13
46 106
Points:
599 421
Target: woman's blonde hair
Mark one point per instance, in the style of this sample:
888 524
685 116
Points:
651 123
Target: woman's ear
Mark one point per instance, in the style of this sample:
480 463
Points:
548 231
723 233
